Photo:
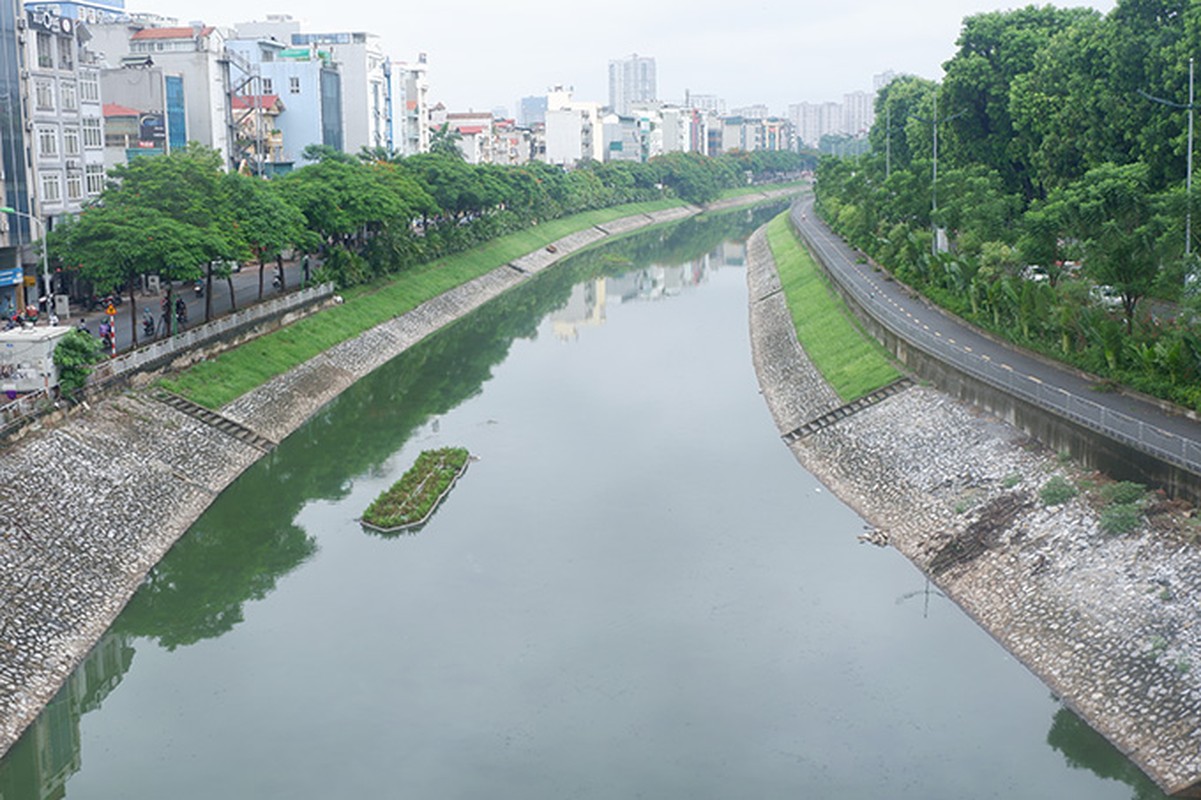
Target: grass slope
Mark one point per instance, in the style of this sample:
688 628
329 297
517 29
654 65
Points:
853 363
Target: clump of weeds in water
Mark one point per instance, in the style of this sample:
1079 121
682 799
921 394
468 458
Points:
1056 491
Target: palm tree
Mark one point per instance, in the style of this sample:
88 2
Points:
445 142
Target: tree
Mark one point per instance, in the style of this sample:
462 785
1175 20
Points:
74 355
445 142
112 246
265 222
1113 213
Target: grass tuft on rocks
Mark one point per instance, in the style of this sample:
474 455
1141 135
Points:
1056 491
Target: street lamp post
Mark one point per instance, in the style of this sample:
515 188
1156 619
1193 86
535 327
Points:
933 123
45 252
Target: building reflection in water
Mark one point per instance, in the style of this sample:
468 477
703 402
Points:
48 753
585 308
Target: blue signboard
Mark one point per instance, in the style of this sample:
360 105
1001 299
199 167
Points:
11 277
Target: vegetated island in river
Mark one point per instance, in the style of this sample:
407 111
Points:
412 500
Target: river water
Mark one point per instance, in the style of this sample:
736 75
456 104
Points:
634 592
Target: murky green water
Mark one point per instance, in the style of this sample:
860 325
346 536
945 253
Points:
636 592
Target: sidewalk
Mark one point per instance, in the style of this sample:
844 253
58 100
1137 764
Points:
246 288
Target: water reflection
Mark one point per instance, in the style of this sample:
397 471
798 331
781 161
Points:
1084 748
40 763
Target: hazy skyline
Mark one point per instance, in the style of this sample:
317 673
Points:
487 54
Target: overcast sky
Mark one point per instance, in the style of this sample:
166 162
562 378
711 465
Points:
488 53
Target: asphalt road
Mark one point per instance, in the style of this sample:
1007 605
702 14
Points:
246 292
1024 373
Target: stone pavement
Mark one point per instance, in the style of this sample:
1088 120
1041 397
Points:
1109 623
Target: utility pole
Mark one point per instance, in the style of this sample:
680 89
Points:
933 123
1188 178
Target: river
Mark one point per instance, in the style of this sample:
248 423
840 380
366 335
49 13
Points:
634 592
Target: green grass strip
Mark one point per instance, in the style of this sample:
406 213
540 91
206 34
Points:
851 361
231 374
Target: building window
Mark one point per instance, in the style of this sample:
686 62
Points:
47 143
95 179
89 88
71 142
43 94
92 135
69 97
268 87
45 46
66 54
52 188
74 186
294 85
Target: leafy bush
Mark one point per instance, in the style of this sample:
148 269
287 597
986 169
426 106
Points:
1057 490
74 355
1120 518
1123 492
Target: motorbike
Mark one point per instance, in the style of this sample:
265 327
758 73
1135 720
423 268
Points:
148 323
199 288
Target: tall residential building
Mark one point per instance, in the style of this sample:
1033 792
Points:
858 113
366 88
15 229
411 133
196 52
63 116
532 111
704 102
573 129
812 121
882 79
631 80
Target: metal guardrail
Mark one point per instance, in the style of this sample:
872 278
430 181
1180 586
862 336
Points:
1147 438
163 349
20 408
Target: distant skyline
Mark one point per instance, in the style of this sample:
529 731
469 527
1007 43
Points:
488 54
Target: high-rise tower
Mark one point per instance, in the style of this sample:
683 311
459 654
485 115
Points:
631 80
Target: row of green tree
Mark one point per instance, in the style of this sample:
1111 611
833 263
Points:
183 218
1058 137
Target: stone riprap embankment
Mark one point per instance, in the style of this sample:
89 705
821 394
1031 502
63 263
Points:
90 504
1108 622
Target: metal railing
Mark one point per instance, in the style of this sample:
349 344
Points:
17 410
1143 436
163 349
